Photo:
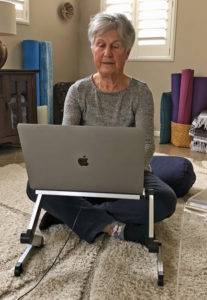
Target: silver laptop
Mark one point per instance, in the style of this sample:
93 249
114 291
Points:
83 158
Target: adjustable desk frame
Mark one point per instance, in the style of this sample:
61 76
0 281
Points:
29 237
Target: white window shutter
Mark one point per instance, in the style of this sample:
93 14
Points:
154 22
121 6
22 10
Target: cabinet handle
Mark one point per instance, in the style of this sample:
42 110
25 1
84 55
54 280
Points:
6 105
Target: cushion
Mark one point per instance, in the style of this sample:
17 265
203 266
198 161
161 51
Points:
165 118
176 171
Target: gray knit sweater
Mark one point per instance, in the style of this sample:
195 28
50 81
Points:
133 106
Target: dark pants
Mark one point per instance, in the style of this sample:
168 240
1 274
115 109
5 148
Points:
88 216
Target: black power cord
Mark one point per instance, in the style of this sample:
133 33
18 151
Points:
47 271
29 291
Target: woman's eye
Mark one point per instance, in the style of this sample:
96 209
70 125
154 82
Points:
100 45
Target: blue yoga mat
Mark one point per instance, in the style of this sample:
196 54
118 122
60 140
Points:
31 60
38 56
46 77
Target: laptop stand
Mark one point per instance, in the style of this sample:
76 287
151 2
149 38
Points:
36 241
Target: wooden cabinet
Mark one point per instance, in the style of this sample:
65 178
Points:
59 92
18 102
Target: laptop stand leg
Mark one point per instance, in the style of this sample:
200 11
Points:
29 237
154 246
160 272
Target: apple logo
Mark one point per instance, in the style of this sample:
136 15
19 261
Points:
83 161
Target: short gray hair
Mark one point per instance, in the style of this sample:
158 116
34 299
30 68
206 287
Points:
103 22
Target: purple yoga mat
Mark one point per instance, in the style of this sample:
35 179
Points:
186 95
199 101
175 89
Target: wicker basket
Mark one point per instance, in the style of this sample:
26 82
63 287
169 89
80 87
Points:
180 135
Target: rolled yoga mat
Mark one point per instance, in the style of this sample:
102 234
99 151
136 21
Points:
31 61
46 77
199 101
175 89
165 118
186 95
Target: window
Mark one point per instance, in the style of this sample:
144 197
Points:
22 10
154 22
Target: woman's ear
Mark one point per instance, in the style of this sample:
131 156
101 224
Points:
128 52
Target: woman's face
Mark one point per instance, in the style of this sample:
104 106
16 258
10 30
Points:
109 53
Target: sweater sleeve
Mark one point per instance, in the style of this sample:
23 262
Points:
72 110
144 118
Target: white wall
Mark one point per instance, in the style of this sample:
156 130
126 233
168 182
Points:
71 50
190 49
46 25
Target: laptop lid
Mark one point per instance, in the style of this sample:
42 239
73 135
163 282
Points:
83 158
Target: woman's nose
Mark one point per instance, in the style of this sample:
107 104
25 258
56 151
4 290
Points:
108 51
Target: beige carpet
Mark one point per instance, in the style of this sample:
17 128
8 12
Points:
108 269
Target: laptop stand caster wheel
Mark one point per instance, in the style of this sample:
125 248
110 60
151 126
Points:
160 281
18 269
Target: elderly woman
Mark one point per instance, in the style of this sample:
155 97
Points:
110 98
